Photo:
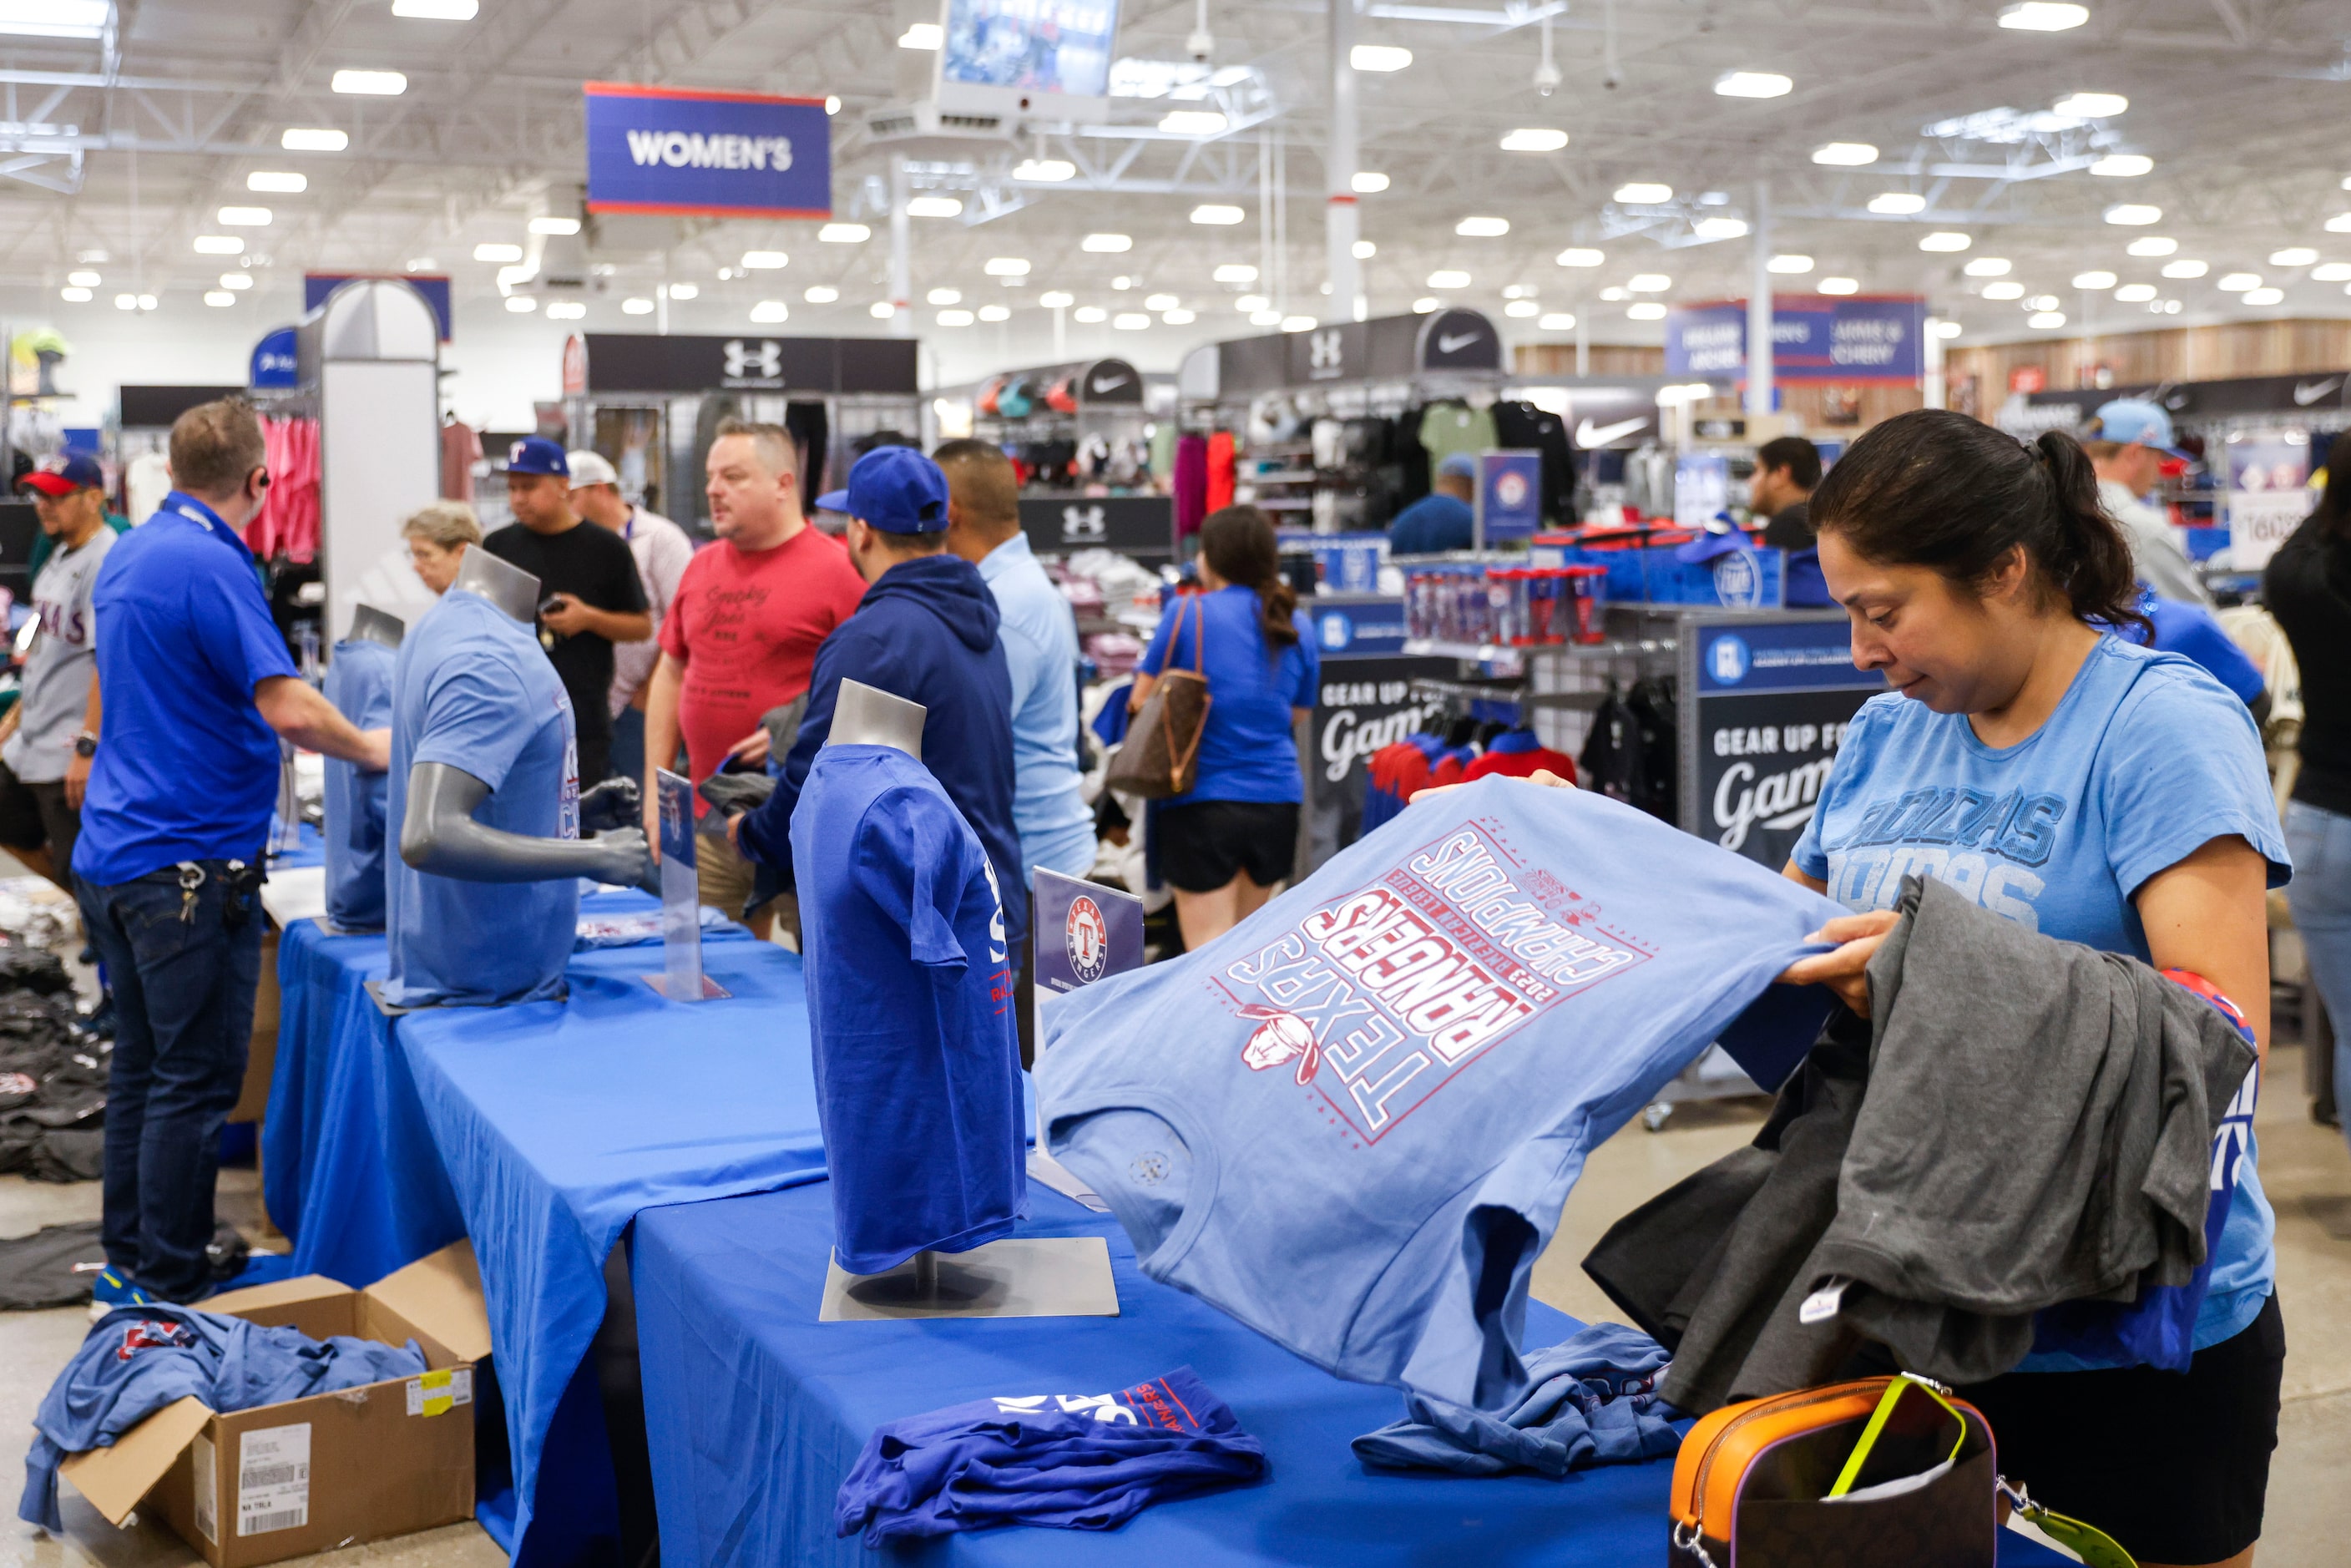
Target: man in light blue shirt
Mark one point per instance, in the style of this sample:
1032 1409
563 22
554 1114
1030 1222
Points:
1040 636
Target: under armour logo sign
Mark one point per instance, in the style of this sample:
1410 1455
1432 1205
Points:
763 359
1083 523
1324 351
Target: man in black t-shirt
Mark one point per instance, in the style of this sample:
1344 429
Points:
589 594
1787 470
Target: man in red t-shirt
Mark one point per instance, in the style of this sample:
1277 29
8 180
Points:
740 637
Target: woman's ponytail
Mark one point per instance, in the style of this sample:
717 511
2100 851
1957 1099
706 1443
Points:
2087 558
1238 544
1935 488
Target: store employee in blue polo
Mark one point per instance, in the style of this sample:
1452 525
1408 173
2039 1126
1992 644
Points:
193 679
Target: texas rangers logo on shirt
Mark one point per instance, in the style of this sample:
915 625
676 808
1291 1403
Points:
153 1334
1086 935
1382 998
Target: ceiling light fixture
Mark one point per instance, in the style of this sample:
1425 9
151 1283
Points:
2043 302
1091 315
1369 183
245 218
497 250
219 244
1235 272
2186 269
237 280
2135 293
1426 304
521 304
2122 165
996 313
1365 250
844 234
831 103
2043 16
1045 171
1646 310
1752 84
768 311
276 183
1945 328
1648 283
881 310
1379 58
2327 272
1217 214
2045 320
1005 266
943 296
1581 256
555 225
438 11
2294 256
1178 317
956 318
1107 244
1989 267
1719 228
1845 154
2134 214
2151 245
1614 294
1265 318
220 297
56 18
820 294
923 36
636 306
2091 105
2238 282
1298 323
1483 228
370 84
1534 138
1644 193
313 139
74 295
1898 203
1558 321
1839 286
1057 299
2264 295
83 279
565 310
2003 291
1162 302
1130 321
1192 121
1796 265
1449 277
2093 280
764 260
935 207
2340 223
683 290
1522 307
1250 304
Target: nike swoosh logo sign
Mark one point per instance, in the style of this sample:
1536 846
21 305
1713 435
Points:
1589 435
1449 344
2304 396
1111 386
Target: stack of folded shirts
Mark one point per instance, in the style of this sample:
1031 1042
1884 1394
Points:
1082 1461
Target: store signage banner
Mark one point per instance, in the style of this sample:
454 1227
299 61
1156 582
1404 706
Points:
317 285
1510 495
722 155
274 362
1354 625
650 362
1774 699
1814 337
1141 526
1084 932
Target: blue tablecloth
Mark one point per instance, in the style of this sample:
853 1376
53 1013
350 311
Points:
539 1131
755 1411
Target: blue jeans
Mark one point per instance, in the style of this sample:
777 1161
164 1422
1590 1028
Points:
628 760
183 992
2320 894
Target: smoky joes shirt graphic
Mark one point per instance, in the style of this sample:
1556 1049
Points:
1350 1121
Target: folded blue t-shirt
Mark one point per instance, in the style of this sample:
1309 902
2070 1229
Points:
1083 1461
1592 1400
137 1360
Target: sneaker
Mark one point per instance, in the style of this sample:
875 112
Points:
114 1288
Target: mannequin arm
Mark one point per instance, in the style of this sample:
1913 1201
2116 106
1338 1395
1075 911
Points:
438 834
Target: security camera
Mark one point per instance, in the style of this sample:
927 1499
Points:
1547 79
1200 45
1612 80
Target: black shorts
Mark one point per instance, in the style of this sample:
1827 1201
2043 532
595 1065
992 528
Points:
1204 844
2174 1466
35 816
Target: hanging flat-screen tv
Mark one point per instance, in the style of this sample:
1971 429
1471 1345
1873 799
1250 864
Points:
1046 58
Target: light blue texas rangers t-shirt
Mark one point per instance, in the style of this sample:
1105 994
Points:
2147 759
472 689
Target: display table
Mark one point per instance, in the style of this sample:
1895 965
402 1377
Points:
539 1131
756 1411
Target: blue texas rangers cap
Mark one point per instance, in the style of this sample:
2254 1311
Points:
1458 466
2131 419
895 489
64 472
537 455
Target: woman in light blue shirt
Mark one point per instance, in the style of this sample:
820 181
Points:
2095 791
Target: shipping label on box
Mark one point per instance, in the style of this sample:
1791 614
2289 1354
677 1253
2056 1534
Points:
437 1393
207 1477
273 1479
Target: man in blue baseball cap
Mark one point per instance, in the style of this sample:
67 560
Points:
925 631
589 594
1440 520
2127 440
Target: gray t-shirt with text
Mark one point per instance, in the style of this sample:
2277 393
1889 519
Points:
57 671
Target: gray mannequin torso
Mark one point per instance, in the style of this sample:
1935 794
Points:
370 625
867 715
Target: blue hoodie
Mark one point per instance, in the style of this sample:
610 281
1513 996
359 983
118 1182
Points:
925 632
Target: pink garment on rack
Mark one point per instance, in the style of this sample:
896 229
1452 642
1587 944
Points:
1220 470
1191 484
287 523
461 448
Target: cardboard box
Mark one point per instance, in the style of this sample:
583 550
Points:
334 1469
261 1051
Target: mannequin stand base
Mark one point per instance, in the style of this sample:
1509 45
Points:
1018 1277
711 989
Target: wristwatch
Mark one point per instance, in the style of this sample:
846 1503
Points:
85 745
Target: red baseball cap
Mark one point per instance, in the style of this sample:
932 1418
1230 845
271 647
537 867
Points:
63 473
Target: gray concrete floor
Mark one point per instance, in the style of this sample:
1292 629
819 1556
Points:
2309 1505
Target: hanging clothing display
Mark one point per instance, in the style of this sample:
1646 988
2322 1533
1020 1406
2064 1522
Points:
1189 484
1404 1060
1524 427
1517 754
359 682
1449 427
461 448
146 480
1220 472
287 523
809 430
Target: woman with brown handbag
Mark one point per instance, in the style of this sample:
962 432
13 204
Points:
1230 837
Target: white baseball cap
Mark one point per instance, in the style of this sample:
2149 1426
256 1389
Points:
591 468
